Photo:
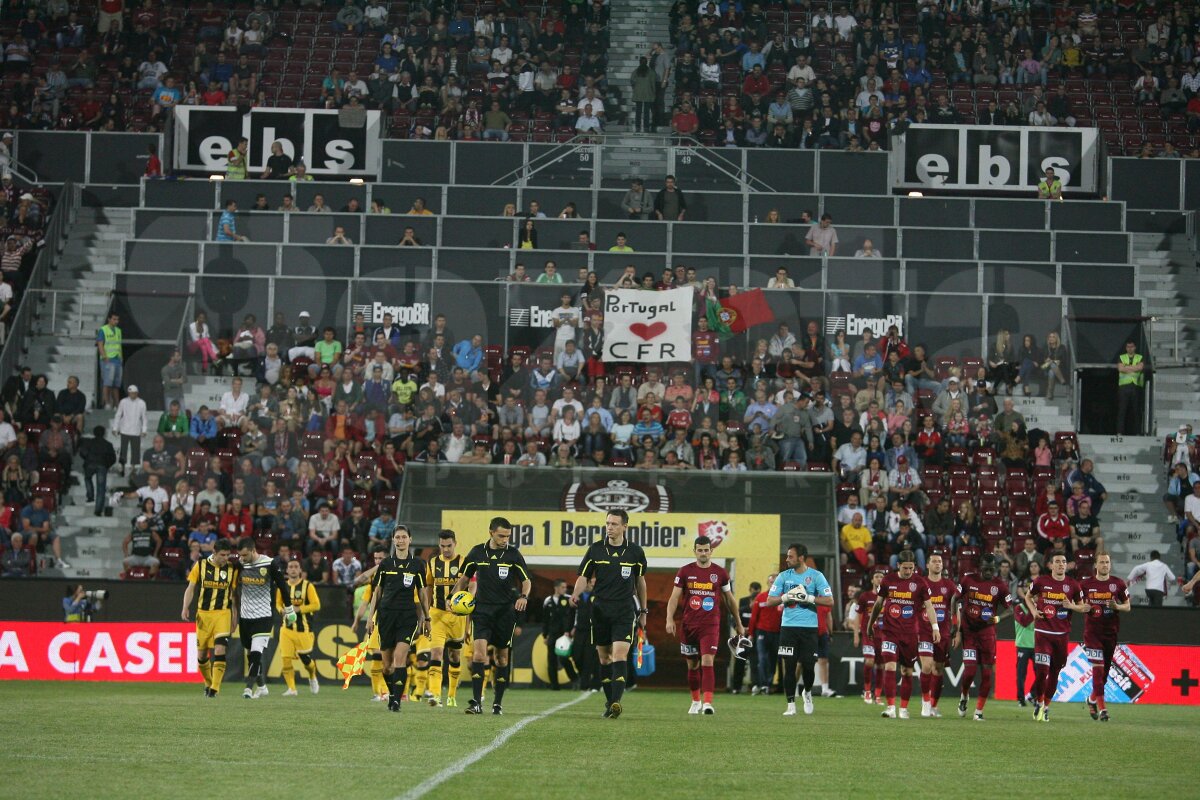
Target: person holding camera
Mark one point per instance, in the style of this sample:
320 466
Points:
79 604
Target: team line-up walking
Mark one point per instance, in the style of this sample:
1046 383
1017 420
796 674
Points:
907 621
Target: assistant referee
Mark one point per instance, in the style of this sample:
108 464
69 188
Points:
619 567
497 566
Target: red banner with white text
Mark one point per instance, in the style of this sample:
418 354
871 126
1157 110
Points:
111 651
1141 673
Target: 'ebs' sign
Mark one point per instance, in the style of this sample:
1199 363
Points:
988 158
644 327
204 137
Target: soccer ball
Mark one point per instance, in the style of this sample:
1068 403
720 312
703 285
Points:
462 603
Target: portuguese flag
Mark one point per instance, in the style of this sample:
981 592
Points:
739 313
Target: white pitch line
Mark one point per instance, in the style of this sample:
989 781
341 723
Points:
431 783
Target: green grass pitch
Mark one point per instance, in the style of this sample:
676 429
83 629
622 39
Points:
96 740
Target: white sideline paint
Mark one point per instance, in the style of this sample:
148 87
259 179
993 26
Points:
431 783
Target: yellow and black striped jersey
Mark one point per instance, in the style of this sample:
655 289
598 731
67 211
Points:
442 575
216 585
302 597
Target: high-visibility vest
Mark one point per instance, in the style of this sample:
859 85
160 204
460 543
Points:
112 342
236 168
1050 189
1131 378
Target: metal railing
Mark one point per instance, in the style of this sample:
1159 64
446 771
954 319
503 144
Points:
61 297
1179 349
19 328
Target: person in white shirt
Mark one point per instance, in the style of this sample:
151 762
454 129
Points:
587 120
434 385
1158 577
233 406
323 530
590 98
567 430
782 340
153 491
567 319
781 280
130 425
801 69
1041 118
502 53
456 443
566 401
845 25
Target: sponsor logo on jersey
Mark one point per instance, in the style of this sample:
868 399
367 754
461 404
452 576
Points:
708 604
969 654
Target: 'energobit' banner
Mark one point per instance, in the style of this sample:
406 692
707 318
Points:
752 540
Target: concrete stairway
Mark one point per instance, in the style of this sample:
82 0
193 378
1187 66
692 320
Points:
633 27
63 337
61 345
631 155
1133 520
1169 282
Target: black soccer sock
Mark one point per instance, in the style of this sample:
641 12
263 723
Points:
252 671
618 680
791 677
390 679
606 673
501 681
401 676
808 671
477 668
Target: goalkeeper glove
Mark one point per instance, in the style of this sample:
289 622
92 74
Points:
289 614
797 595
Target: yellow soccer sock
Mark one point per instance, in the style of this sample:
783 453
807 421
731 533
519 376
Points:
311 669
453 670
410 682
218 672
435 678
378 684
206 673
422 682
289 674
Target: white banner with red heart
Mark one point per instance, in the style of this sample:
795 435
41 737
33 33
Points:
643 327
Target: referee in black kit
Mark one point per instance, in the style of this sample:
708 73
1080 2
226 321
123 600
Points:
497 566
619 567
402 599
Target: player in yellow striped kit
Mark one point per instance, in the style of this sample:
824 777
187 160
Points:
295 630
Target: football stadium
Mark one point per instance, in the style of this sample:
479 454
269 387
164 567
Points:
790 384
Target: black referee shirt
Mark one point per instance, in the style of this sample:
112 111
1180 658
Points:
615 568
397 581
498 573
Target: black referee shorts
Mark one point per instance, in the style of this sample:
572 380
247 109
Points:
495 624
249 628
798 643
396 626
612 622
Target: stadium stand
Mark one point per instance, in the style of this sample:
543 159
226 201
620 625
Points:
222 270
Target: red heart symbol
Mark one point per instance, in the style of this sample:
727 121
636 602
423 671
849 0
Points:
647 332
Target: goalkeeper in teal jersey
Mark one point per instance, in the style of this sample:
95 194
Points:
799 589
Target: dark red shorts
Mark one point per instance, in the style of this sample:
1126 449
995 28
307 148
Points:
1099 646
699 640
939 651
897 649
979 646
1050 649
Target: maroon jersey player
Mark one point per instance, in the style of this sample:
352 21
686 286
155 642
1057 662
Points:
1051 599
872 667
983 600
703 586
943 593
902 596
1106 596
